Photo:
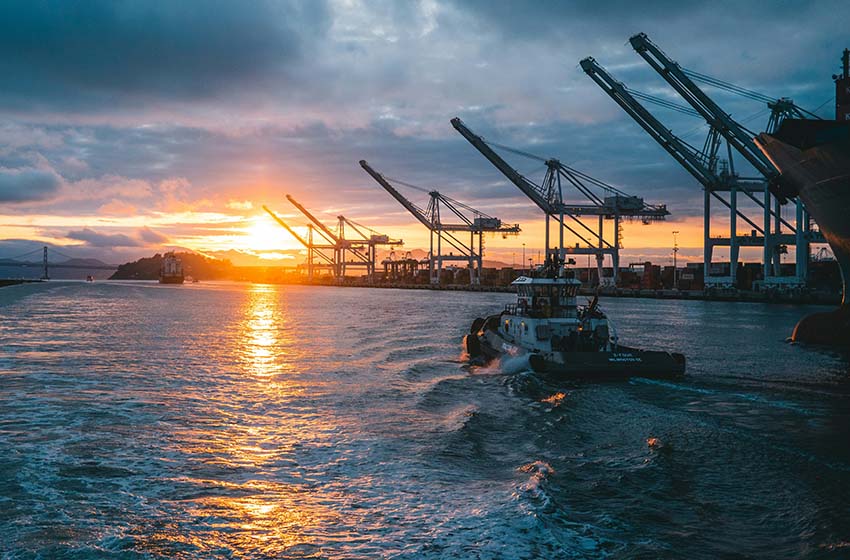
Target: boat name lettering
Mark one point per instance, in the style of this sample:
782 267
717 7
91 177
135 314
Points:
623 357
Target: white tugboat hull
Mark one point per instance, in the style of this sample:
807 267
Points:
486 345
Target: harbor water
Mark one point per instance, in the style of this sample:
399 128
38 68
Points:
254 421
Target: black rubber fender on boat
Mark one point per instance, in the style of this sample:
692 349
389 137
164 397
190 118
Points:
476 325
492 323
537 363
473 346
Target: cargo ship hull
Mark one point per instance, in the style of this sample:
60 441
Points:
813 158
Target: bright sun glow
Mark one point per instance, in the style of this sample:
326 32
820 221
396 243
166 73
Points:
265 235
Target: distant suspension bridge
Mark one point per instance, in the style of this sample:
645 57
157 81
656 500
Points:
47 262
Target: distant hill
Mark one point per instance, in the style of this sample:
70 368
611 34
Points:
84 262
195 265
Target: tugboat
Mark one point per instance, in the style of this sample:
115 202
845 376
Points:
171 269
560 338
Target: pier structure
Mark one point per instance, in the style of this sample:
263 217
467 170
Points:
569 199
718 175
352 245
447 235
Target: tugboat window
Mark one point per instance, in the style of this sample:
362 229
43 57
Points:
569 291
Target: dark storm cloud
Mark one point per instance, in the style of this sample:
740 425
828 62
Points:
101 53
543 18
774 46
97 239
148 92
28 185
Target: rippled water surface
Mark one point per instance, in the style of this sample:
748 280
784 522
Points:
250 421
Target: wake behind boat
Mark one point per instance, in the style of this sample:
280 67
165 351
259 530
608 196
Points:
560 338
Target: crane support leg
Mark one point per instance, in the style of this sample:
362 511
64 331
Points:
706 237
733 236
615 256
768 245
802 244
472 258
439 256
431 258
777 230
600 256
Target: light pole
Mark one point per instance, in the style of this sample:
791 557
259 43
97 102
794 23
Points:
523 258
675 252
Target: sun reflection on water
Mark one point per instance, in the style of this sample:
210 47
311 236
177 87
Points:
243 487
261 330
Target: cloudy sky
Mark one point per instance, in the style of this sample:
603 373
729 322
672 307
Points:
129 126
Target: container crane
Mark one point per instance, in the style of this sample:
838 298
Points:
549 197
366 237
332 249
472 221
701 164
314 250
361 251
720 121
741 140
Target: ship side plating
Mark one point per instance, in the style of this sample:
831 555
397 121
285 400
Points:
813 157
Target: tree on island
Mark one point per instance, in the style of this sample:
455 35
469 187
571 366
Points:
194 265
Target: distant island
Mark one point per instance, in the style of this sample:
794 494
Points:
194 265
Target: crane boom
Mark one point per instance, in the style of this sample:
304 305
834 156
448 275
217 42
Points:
682 152
673 74
286 227
526 186
412 208
331 236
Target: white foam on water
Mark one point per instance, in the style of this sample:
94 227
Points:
514 364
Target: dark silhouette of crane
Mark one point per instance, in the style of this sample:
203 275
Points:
324 251
337 250
718 175
597 199
471 221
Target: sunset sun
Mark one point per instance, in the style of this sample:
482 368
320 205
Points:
263 235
